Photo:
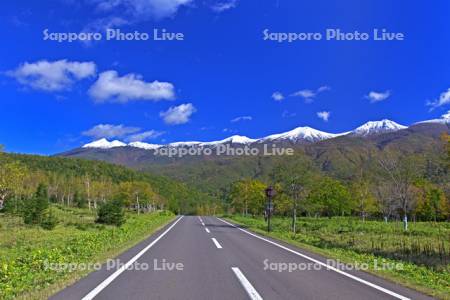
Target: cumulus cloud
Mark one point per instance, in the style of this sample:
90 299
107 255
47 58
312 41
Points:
444 99
111 87
378 96
52 76
324 115
309 95
277 96
224 5
110 131
146 135
243 118
178 114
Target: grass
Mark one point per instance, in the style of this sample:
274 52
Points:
423 251
26 250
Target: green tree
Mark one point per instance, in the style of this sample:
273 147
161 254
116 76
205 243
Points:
36 207
294 179
111 213
329 197
364 201
138 194
248 196
79 200
431 204
11 177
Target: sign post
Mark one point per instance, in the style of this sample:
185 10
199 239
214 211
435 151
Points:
270 193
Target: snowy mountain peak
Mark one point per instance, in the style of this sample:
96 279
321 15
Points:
297 135
300 133
377 127
238 139
105 144
445 119
184 144
145 146
235 139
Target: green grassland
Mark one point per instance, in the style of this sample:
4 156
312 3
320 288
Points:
423 251
26 250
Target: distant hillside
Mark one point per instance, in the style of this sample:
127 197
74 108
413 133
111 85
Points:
338 156
176 193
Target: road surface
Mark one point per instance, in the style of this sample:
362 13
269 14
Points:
209 258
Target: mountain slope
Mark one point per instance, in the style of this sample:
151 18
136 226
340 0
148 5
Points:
339 156
377 127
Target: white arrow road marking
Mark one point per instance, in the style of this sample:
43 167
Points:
216 243
252 293
377 287
114 275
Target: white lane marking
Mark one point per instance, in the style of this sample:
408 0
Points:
200 219
203 224
382 289
216 243
207 230
114 275
252 293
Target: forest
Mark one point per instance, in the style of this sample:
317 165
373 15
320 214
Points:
88 184
388 185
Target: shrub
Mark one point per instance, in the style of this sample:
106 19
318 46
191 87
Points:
49 221
111 213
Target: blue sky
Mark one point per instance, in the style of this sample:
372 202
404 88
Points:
221 79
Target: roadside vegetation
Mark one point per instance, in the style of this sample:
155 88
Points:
394 208
419 258
29 254
56 211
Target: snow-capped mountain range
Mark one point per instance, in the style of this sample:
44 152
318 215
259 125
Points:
297 135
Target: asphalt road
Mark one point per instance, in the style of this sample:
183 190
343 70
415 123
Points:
208 258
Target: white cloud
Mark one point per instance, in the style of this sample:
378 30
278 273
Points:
378 96
228 130
142 136
52 76
141 10
178 114
309 95
110 131
287 114
323 88
324 115
277 96
105 23
224 5
443 99
304 94
110 87
243 118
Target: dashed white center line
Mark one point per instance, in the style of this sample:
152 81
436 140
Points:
216 243
207 230
329 267
251 292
